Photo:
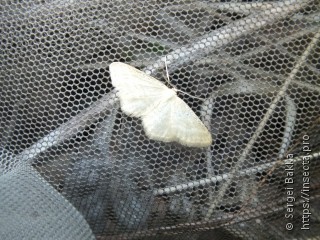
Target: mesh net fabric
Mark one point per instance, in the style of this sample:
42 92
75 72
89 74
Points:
74 166
31 209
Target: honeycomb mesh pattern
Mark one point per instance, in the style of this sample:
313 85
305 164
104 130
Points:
253 68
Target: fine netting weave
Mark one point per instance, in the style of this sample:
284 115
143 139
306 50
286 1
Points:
73 165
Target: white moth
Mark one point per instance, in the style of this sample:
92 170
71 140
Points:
165 116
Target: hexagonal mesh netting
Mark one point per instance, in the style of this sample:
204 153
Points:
73 165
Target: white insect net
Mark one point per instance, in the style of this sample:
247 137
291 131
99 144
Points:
74 165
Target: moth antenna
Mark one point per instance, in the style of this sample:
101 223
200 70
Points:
167 73
168 80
